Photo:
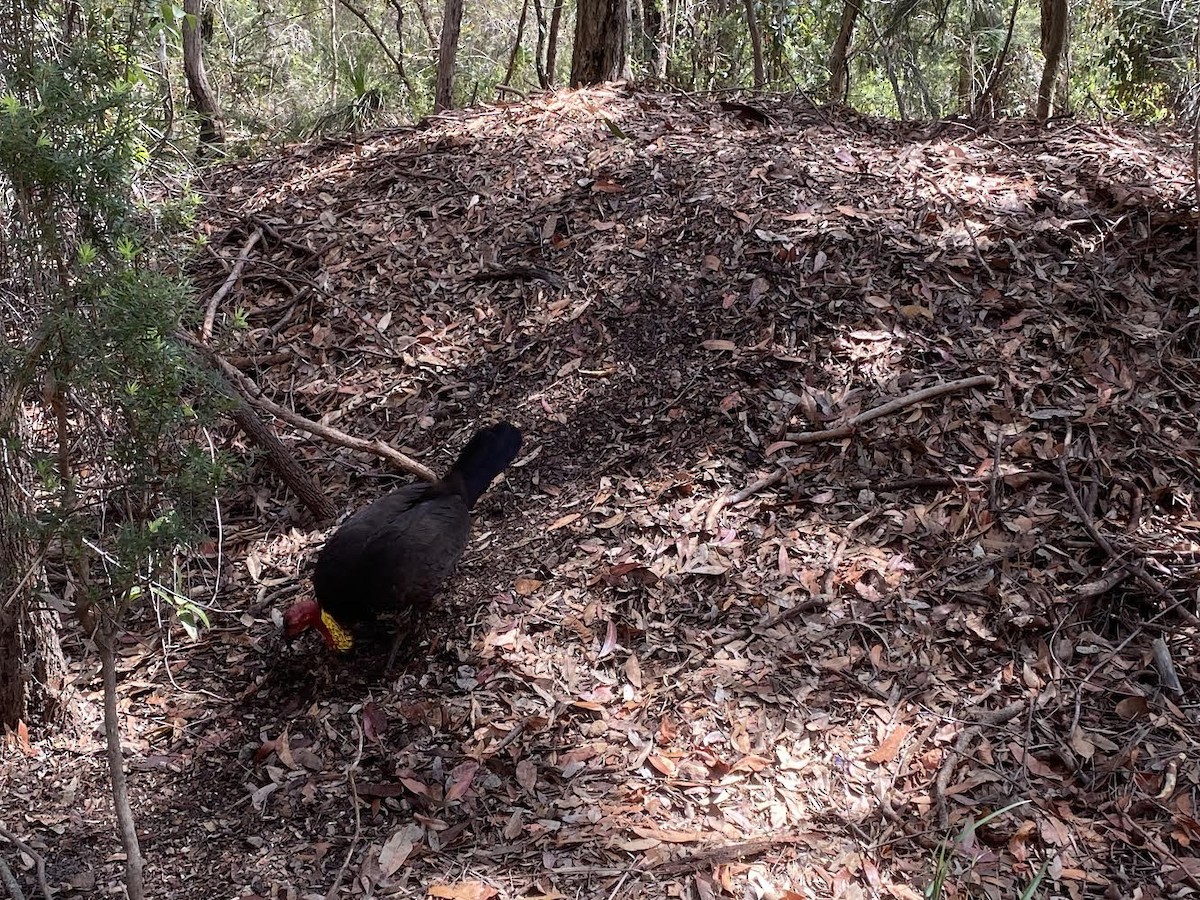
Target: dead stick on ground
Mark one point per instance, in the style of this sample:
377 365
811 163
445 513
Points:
337 882
845 430
708 857
942 783
1135 566
1166 667
892 406
38 861
248 389
10 881
278 457
965 224
210 314
1180 866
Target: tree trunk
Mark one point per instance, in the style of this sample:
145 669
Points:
105 639
601 42
637 31
539 56
333 53
756 46
552 41
32 667
653 22
1054 38
991 90
427 24
671 15
838 81
512 60
204 100
447 54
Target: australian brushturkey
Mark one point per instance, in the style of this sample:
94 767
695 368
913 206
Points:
394 554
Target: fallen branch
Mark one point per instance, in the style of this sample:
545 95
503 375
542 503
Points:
1102 585
337 882
10 881
845 430
1134 566
38 861
248 389
260 433
941 784
723 854
892 406
210 314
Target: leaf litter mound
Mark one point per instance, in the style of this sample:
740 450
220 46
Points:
692 651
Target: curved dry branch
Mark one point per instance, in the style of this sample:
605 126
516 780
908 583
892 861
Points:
844 430
254 395
38 861
210 314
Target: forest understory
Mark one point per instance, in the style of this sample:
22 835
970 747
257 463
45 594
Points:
693 650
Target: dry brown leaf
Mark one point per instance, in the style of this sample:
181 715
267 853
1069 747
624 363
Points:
663 764
460 780
527 774
633 671
1133 708
463 890
525 586
398 848
374 722
751 763
890 747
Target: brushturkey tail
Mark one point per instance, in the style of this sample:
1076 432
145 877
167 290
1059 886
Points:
486 455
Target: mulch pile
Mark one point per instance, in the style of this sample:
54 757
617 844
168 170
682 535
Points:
939 648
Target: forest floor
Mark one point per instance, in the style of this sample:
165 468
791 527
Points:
935 655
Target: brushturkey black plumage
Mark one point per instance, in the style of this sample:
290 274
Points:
394 554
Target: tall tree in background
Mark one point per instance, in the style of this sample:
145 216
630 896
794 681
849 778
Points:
756 45
656 26
204 99
602 30
552 40
448 54
841 47
32 667
1054 38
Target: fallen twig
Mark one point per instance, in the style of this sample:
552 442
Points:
39 861
1135 566
1183 869
210 314
726 853
892 406
965 224
248 389
845 430
942 783
337 882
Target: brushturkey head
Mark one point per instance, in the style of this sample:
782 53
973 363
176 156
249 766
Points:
308 614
